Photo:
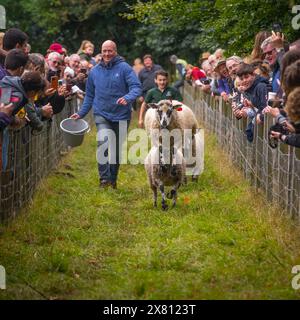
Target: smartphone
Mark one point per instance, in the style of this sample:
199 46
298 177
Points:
69 86
277 28
82 70
54 82
60 82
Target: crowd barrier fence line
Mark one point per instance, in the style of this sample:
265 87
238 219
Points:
25 159
275 172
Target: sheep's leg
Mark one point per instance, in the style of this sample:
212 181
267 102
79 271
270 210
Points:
163 200
154 189
174 193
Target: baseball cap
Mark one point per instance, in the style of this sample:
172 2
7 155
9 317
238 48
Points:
57 47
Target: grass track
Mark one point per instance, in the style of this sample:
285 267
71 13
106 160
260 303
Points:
222 241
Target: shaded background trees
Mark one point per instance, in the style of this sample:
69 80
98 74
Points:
162 27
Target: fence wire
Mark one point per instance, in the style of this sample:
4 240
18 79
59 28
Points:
275 172
26 159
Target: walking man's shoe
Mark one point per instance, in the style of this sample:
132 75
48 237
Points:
114 184
104 184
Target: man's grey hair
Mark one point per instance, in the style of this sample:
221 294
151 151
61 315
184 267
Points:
266 42
74 55
235 58
53 55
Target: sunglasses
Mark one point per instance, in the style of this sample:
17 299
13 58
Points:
268 53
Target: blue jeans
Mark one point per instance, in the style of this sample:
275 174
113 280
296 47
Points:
109 150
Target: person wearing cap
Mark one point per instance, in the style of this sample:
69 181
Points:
180 70
203 57
223 81
56 47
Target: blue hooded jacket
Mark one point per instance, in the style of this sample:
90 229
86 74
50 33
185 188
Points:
107 83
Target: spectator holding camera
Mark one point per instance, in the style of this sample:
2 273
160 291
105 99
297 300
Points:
54 62
74 62
53 100
22 92
290 82
293 112
210 85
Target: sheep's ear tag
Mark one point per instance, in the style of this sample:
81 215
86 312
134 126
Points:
178 107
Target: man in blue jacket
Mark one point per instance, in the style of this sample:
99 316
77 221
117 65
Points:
112 87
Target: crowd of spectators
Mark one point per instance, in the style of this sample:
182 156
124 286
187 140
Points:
34 87
266 81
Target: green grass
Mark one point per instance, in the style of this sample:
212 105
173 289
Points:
222 241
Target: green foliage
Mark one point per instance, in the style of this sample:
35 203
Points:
71 21
206 25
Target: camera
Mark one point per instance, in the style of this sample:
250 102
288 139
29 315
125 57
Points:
206 81
273 142
277 27
34 120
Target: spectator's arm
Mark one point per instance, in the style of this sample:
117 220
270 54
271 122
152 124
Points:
292 139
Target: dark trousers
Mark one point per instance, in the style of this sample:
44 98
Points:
109 142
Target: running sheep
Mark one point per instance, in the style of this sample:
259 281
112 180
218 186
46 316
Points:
172 115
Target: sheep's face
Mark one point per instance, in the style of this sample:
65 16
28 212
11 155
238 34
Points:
165 112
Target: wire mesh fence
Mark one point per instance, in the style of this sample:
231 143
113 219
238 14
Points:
26 159
276 172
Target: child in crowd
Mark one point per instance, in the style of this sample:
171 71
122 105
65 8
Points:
86 51
161 92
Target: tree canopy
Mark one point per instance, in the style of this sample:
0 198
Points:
194 26
160 27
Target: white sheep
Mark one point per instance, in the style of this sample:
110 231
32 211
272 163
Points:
165 167
176 115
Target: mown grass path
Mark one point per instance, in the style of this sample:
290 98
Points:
222 241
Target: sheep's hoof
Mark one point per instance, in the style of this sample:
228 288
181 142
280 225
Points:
195 178
173 204
164 207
